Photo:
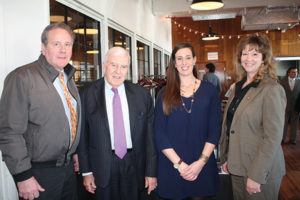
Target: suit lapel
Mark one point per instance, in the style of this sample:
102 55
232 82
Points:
253 91
99 95
131 99
287 84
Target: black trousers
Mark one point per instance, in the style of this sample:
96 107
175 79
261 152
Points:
59 182
123 183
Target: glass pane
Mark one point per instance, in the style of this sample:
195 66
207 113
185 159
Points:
85 57
143 59
78 60
157 62
93 49
167 61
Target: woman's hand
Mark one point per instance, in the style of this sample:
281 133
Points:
252 187
182 167
191 172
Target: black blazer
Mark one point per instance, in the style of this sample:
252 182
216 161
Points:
94 150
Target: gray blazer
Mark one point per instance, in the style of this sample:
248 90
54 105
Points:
253 148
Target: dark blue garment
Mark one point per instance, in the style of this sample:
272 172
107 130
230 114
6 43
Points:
187 134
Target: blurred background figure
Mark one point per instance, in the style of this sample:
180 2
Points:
291 86
211 77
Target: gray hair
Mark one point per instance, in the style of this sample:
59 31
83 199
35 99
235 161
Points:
50 27
116 51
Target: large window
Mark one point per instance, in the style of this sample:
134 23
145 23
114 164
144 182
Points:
143 59
116 38
86 58
157 61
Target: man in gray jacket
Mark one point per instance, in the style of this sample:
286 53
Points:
40 120
211 77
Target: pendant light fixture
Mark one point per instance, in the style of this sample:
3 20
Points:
210 35
207 4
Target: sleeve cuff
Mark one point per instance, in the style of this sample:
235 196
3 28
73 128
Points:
87 173
23 176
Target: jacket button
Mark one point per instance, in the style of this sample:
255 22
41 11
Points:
232 132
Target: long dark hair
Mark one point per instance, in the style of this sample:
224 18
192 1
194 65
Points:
171 97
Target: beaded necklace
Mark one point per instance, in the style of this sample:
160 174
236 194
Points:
192 100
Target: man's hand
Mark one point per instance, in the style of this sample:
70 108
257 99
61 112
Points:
225 167
89 183
76 163
150 183
29 189
252 187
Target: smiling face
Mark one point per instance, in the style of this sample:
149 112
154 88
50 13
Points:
116 68
58 51
251 60
184 62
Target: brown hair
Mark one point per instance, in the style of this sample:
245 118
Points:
58 25
261 43
171 97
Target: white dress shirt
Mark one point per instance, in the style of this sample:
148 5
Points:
109 94
292 82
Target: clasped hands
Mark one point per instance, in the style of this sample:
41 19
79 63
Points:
190 172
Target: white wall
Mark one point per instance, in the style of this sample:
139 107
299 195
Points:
21 24
136 16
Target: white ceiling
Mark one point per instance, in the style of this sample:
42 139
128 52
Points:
256 14
179 8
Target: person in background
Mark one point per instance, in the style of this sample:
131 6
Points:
117 156
253 123
186 129
40 120
291 86
211 77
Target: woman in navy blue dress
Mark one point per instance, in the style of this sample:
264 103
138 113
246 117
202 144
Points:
186 130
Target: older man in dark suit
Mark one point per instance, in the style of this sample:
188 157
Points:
291 86
117 155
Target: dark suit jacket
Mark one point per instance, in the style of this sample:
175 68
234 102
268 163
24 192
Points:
291 96
254 147
95 151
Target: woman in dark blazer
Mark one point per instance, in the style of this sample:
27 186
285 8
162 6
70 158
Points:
253 124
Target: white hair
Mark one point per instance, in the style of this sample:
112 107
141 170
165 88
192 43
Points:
116 51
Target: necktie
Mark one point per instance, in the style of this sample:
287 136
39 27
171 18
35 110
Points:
70 105
118 123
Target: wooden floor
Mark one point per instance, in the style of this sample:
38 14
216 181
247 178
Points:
290 186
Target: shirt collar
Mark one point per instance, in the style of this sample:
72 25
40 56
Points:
240 84
108 86
52 72
291 79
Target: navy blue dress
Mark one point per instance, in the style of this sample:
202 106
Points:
186 134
